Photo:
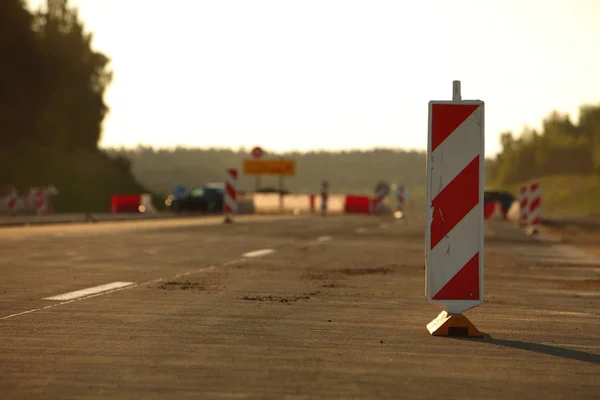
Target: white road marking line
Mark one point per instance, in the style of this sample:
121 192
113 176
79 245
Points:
203 269
197 271
323 238
258 253
89 291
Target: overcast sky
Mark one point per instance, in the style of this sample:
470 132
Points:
336 74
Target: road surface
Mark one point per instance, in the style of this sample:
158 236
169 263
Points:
294 308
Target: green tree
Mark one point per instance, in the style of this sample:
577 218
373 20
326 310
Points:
589 125
78 75
22 83
561 147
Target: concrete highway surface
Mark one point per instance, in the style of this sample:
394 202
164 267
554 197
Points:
304 307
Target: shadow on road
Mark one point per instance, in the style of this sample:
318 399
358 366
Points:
542 348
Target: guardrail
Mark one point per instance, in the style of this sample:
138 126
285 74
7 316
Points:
256 203
21 220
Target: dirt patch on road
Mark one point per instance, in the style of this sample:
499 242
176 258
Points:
333 285
345 272
282 299
205 285
323 275
184 285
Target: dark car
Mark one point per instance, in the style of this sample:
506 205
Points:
208 199
503 196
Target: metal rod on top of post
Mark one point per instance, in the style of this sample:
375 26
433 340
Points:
456 96
281 190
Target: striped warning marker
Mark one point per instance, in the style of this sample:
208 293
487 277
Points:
454 239
535 210
401 193
324 197
381 192
230 205
11 198
494 210
523 204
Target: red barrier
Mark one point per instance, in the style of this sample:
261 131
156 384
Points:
125 203
493 210
312 203
357 204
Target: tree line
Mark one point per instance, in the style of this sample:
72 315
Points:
53 83
560 147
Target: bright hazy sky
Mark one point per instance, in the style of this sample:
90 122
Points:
310 74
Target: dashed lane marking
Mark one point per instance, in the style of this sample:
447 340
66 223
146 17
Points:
90 295
89 291
258 253
324 238
115 290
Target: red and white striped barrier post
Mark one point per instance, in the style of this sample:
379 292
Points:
29 200
146 205
324 197
535 210
400 201
230 205
41 201
11 198
494 210
523 199
454 237
41 197
381 191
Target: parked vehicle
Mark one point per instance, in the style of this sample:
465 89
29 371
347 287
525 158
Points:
207 199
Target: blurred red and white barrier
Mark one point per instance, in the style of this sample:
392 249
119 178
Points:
10 199
400 199
523 200
535 203
381 192
42 199
494 210
35 200
230 198
146 205
324 196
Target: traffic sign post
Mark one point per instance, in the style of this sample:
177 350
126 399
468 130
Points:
454 236
324 197
257 153
279 167
400 201
230 201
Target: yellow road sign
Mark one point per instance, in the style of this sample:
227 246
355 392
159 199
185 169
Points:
270 167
